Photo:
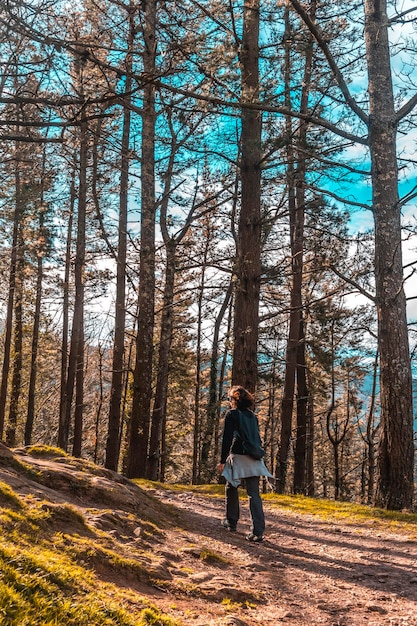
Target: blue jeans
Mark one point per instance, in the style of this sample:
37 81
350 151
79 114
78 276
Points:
255 505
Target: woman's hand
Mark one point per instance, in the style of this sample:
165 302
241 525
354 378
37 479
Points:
220 467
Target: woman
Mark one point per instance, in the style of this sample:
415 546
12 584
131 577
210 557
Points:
235 464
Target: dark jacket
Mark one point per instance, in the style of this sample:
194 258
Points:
231 427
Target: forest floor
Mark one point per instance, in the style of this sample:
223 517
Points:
309 570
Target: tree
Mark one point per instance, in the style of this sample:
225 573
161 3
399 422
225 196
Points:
42 248
396 453
114 424
248 253
10 303
142 386
218 82
295 352
64 416
76 355
17 356
369 434
209 448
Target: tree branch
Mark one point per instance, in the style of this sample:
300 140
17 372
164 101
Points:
320 39
406 109
352 282
26 139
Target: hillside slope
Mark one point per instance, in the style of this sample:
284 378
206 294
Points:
81 545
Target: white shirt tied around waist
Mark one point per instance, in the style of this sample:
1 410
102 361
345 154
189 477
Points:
240 466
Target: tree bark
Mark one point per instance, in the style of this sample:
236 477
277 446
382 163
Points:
370 438
16 381
248 263
310 483
142 384
300 452
287 401
301 438
165 340
396 454
295 184
77 341
30 414
208 451
10 302
114 421
196 468
64 422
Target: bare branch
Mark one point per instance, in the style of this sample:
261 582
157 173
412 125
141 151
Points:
352 282
26 139
321 41
406 109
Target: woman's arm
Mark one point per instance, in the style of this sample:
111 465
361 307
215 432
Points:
228 431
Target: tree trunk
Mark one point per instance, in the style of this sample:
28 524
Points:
77 345
296 177
222 377
248 265
270 438
165 340
64 422
370 437
30 414
208 469
100 354
300 450
10 301
142 385
113 434
17 350
300 453
396 454
310 483
196 468
296 217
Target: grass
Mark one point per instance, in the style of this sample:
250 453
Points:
43 585
55 567
208 556
349 512
48 578
9 497
207 489
42 451
329 510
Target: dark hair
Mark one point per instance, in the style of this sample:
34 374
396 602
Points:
241 398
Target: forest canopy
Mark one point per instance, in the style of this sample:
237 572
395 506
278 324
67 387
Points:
197 194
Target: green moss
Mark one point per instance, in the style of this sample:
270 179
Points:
25 469
154 617
50 578
45 451
9 497
396 521
208 556
346 511
207 489
63 513
41 586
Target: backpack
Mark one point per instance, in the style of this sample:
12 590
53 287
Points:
255 450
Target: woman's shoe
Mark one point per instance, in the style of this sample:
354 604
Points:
254 538
228 526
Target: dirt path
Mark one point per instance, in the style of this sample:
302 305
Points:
307 571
